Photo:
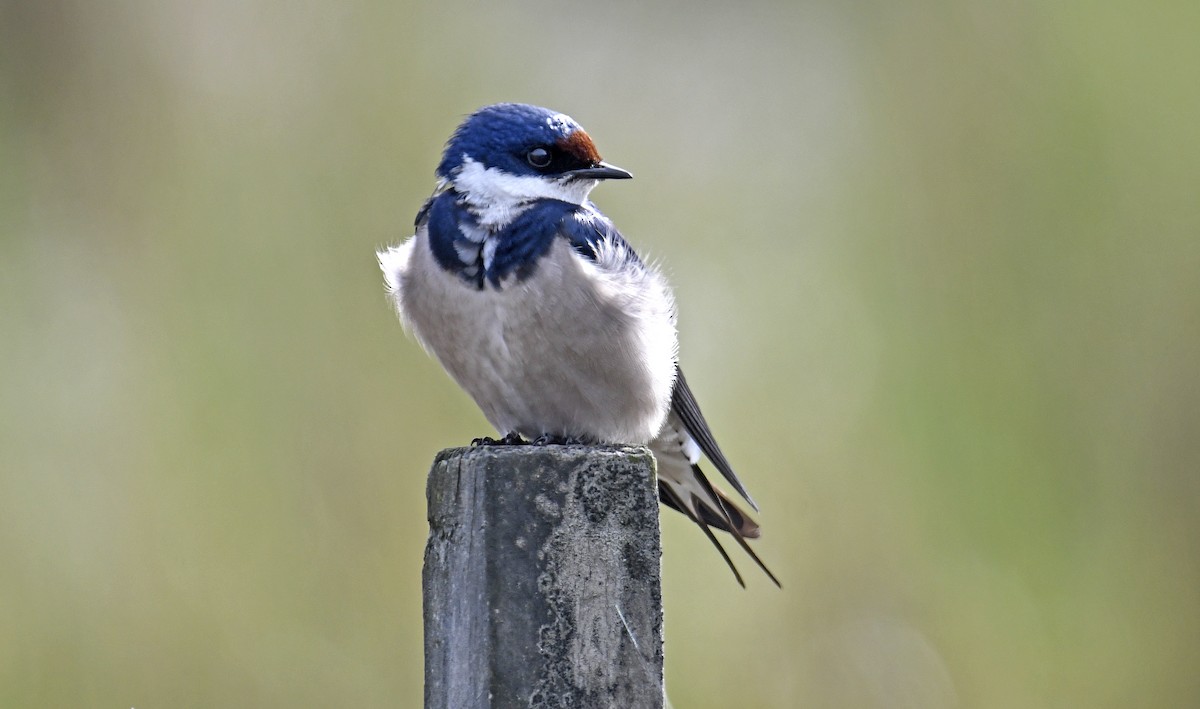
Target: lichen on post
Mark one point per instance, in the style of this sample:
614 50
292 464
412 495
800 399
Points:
542 579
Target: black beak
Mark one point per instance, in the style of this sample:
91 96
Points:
601 171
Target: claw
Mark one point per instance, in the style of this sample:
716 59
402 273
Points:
511 438
550 439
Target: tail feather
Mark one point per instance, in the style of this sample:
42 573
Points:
668 497
730 518
728 508
683 486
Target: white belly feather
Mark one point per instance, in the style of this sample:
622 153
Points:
580 348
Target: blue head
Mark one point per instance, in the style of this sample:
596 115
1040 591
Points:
517 152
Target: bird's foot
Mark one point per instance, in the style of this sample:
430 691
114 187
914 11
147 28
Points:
550 439
511 438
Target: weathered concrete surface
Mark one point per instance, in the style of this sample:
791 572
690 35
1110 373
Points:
541 583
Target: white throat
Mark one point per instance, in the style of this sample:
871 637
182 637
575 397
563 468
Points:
497 197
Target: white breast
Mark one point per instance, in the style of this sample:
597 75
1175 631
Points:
580 348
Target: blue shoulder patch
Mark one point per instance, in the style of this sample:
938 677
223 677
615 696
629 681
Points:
526 239
453 249
462 247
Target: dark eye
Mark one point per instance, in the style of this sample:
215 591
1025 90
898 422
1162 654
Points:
538 157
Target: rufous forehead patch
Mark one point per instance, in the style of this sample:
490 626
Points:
580 144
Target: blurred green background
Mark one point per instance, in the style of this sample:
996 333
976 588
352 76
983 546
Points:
939 279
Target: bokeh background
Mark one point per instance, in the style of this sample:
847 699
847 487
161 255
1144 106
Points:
939 278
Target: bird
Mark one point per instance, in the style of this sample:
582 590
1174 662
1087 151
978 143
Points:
536 305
